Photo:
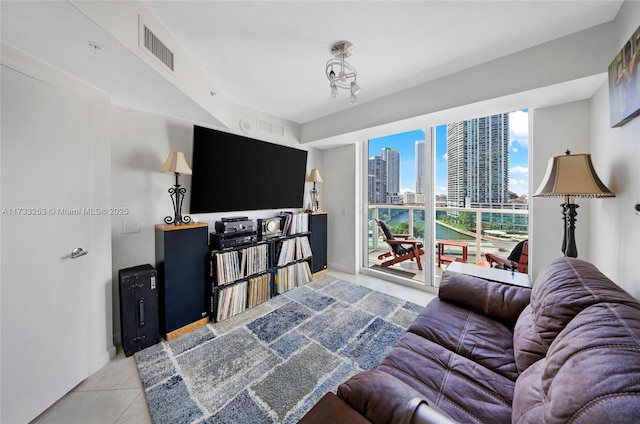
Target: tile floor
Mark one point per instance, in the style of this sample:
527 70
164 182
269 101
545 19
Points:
114 395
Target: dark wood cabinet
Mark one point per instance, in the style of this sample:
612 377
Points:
318 229
181 253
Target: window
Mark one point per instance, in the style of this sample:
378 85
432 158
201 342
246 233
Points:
480 189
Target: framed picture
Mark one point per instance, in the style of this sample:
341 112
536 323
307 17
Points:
624 83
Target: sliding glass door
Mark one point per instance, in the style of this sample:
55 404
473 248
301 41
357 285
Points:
453 192
396 191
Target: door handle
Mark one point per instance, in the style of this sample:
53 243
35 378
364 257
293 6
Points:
77 252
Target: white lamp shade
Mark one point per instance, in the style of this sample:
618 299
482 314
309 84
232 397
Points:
176 163
314 176
572 175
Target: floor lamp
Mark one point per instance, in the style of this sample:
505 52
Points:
177 164
570 176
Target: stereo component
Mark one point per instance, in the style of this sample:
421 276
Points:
234 218
270 227
235 226
220 241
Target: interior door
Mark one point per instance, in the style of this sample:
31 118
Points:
46 188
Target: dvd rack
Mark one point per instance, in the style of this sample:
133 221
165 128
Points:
244 276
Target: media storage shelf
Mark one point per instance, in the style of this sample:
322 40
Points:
245 276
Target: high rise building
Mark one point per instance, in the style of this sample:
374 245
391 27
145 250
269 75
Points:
392 160
478 161
377 180
419 167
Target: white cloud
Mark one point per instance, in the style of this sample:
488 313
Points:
519 128
515 150
442 190
446 156
519 186
519 170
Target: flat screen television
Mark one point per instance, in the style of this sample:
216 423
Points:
236 173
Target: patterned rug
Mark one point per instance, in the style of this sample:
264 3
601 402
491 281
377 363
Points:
273 362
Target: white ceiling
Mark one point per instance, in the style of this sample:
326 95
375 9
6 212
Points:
270 55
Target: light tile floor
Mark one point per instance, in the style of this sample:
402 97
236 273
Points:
114 395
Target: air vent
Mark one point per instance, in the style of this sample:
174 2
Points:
157 48
269 127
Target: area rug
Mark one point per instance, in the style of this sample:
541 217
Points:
401 273
273 362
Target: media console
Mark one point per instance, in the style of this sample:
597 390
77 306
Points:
199 282
245 276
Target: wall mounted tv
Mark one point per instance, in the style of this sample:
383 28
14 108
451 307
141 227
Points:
236 173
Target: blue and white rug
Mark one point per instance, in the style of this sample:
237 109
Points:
273 362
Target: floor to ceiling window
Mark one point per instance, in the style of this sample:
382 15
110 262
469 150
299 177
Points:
459 189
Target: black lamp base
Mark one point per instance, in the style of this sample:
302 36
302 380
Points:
177 196
569 216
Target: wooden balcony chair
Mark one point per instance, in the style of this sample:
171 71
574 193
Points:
518 258
401 248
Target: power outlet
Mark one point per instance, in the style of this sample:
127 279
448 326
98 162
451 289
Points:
130 227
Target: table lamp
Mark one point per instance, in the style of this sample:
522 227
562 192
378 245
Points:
177 164
314 177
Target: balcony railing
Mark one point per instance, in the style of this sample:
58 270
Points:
485 229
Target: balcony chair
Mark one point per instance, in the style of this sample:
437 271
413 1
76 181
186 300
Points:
401 248
517 259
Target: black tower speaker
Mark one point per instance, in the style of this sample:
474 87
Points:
318 228
138 308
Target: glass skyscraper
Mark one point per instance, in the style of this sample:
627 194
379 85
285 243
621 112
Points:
377 180
392 160
478 161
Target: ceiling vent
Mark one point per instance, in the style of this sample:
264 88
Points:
269 127
152 44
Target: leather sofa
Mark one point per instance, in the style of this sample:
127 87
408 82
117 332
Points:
567 350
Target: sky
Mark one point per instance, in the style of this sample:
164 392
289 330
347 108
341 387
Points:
405 144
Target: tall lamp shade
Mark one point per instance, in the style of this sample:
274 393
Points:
177 164
570 176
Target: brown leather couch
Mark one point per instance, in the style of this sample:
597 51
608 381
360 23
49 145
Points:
567 350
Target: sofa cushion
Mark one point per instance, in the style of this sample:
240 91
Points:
591 373
460 387
564 288
500 301
473 335
528 397
528 347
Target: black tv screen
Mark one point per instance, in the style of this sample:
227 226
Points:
236 173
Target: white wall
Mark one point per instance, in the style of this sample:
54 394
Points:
615 227
140 143
607 230
343 202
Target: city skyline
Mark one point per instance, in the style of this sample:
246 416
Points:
405 144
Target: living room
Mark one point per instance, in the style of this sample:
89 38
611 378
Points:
128 145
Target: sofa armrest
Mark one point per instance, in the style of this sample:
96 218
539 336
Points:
332 410
501 301
382 398
420 412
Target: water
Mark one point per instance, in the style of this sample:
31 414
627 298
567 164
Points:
442 232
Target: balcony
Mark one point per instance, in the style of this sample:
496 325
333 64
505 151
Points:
484 229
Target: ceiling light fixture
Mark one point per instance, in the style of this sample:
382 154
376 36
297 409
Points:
344 75
95 47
